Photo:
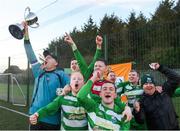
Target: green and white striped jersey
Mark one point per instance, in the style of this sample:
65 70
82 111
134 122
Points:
73 115
99 116
132 92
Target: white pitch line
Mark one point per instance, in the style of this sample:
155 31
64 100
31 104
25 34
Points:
14 111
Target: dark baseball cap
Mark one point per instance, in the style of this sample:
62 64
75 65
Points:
46 53
147 78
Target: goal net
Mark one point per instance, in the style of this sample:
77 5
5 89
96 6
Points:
10 89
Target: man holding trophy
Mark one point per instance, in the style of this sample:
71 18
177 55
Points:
17 30
47 79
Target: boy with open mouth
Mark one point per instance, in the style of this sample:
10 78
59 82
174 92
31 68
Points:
74 115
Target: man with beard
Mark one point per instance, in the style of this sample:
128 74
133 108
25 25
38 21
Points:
156 108
47 80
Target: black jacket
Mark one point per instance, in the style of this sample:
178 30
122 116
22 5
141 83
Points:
157 109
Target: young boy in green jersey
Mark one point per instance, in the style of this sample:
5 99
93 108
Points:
74 115
104 115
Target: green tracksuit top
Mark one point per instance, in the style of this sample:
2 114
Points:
73 114
99 116
86 70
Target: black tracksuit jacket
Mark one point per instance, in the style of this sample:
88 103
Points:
157 109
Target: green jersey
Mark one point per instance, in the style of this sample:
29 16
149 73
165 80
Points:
99 116
73 114
132 92
86 70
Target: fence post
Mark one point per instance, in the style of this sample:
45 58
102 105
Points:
28 82
56 50
8 91
105 48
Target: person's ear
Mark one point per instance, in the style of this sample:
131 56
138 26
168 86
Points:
56 64
100 94
115 96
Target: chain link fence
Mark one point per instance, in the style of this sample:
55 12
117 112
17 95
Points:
152 43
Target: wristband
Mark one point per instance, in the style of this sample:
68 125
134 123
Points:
74 47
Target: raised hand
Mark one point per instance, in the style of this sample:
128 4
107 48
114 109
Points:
154 66
159 89
26 34
68 39
96 75
63 91
137 106
99 41
127 112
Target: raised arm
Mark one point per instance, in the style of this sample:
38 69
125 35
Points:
99 41
48 110
173 79
81 62
87 102
30 53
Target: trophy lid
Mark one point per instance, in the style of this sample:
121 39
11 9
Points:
16 31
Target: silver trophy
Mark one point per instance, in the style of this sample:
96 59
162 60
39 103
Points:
17 30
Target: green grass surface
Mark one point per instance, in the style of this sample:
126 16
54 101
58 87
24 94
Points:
15 93
13 121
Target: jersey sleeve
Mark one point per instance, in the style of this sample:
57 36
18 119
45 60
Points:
125 125
81 62
32 59
84 97
91 66
51 108
172 82
119 103
120 87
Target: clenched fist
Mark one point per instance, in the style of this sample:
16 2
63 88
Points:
33 118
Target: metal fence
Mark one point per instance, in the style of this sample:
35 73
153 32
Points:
151 43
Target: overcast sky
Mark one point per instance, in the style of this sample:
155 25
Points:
57 17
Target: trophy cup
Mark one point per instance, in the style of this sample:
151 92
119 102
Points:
17 30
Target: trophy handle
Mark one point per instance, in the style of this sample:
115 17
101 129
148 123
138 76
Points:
26 10
35 25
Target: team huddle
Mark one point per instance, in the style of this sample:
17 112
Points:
90 100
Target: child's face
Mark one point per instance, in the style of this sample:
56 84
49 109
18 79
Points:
77 81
